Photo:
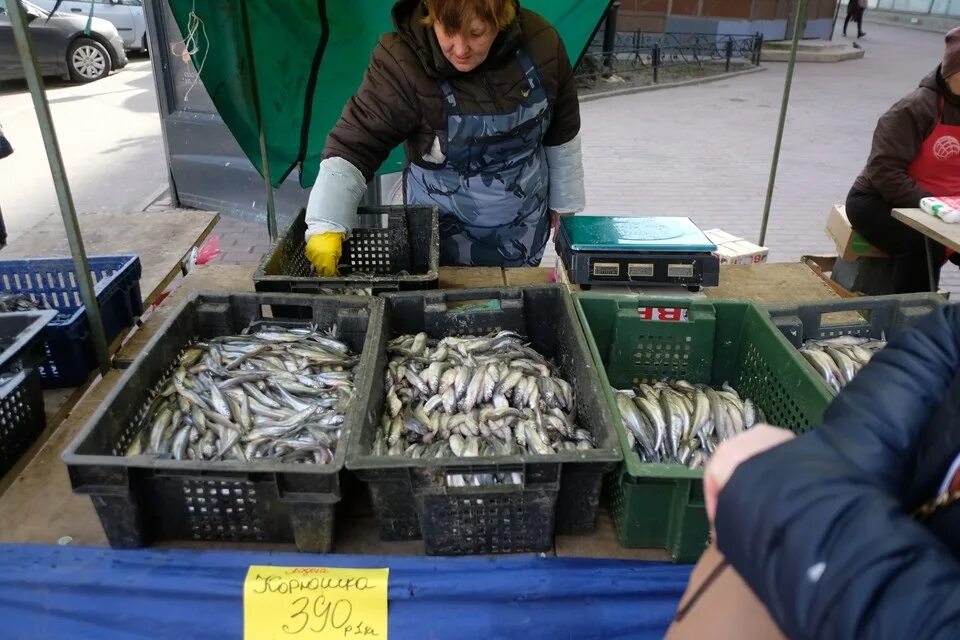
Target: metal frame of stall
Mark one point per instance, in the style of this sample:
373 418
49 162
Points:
31 70
24 43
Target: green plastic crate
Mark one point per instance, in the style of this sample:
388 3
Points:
662 505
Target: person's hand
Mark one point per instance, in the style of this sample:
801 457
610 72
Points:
731 453
324 251
554 223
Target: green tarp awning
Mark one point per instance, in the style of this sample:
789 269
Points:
304 59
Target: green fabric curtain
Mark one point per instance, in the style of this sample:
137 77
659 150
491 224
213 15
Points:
308 57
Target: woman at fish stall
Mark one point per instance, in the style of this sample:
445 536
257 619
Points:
481 93
851 530
915 155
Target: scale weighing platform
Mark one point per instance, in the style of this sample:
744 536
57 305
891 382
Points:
607 250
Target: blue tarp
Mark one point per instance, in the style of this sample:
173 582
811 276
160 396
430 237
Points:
82 592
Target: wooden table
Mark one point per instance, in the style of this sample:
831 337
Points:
162 240
933 229
772 283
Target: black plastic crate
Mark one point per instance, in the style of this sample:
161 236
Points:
867 317
143 498
70 355
21 397
559 493
386 242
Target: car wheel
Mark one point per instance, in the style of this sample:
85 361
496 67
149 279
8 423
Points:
144 47
87 60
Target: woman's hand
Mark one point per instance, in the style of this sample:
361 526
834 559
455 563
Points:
731 453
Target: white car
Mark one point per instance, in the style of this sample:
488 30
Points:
126 15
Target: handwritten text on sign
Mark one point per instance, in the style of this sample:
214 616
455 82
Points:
314 603
663 314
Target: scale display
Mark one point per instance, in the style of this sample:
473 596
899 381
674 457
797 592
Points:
662 251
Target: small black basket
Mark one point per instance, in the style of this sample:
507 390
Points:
144 498
21 397
415 498
391 249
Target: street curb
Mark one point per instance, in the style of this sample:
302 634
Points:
906 25
670 85
153 197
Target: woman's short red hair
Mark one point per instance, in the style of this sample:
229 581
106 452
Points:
456 15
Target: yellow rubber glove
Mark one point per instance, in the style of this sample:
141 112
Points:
323 251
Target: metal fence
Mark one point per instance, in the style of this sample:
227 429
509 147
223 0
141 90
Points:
647 57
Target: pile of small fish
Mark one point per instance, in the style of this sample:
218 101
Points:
681 423
272 393
19 302
839 359
475 396
345 291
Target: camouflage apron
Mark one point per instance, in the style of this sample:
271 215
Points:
493 190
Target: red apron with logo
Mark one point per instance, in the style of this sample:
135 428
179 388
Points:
937 167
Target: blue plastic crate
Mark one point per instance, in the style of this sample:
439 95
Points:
69 348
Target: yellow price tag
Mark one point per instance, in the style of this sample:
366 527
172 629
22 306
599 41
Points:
316 603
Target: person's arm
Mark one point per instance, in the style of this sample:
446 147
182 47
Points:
562 142
817 526
379 117
897 140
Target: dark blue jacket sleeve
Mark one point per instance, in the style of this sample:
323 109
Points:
818 527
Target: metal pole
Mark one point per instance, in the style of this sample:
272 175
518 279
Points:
268 183
656 62
788 83
836 17
21 35
255 94
610 35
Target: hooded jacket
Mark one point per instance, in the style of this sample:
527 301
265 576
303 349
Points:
820 527
400 100
897 140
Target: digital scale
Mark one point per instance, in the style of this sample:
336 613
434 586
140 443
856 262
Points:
605 250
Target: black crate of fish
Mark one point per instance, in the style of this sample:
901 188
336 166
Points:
839 337
391 249
231 425
486 431
21 396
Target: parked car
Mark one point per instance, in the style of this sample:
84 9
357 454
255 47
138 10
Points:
63 45
126 15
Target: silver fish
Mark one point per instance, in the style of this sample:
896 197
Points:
271 393
476 396
689 420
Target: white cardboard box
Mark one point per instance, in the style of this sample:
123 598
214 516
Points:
734 250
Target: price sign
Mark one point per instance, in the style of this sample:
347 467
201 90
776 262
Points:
663 314
314 603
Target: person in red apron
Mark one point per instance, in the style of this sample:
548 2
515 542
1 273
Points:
915 155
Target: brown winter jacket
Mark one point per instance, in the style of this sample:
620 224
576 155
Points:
400 99
897 140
